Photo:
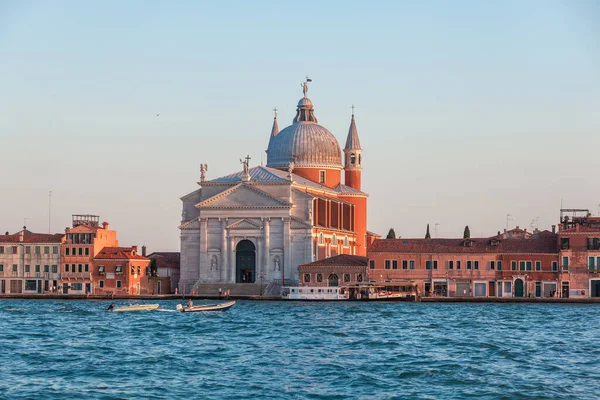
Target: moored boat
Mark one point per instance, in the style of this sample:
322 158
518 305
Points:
136 307
391 291
317 293
206 307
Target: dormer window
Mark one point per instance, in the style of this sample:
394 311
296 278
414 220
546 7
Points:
468 243
352 158
321 176
495 242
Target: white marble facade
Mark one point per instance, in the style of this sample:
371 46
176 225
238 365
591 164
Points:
264 206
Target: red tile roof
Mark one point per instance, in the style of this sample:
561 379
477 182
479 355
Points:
165 259
30 237
342 260
118 253
542 243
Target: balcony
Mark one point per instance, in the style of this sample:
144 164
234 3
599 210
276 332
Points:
76 275
9 274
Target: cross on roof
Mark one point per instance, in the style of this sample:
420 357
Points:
353 107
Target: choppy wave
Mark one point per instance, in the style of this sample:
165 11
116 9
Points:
270 350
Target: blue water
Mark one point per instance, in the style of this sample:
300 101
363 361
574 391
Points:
74 349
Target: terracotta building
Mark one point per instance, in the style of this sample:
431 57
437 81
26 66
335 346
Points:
468 267
120 270
338 270
579 252
515 263
84 240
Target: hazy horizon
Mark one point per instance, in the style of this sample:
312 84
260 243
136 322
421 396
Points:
466 111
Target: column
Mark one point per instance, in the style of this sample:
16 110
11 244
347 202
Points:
224 258
203 259
259 267
231 255
287 249
267 245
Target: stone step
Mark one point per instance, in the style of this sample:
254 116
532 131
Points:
236 289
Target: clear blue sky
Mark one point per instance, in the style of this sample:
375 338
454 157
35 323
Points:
467 110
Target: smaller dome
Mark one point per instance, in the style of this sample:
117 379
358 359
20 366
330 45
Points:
305 103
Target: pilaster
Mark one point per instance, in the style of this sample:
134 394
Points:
287 249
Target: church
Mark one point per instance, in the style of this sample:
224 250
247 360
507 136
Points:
259 224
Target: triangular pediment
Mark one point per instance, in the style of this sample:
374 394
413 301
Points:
243 196
190 225
245 224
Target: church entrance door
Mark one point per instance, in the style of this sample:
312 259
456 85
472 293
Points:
245 262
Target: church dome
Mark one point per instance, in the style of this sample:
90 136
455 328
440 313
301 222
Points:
304 143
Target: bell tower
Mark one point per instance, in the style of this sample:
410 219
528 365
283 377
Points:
352 157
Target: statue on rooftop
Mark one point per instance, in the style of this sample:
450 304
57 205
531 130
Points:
246 164
203 169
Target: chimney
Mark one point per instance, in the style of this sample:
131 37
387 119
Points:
144 250
134 248
105 225
504 230
553 228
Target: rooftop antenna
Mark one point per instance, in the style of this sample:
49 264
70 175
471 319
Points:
533 224
435 229
49 211
25 221
508 218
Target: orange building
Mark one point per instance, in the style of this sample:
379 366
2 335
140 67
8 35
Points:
121 271
83 242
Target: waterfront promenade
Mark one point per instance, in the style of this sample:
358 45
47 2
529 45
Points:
437 299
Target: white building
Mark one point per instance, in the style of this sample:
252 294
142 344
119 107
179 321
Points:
29 262
259 224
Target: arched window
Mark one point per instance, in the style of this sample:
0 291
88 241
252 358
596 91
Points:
346 241
359 159
321 239
333 280
334 240
352 158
